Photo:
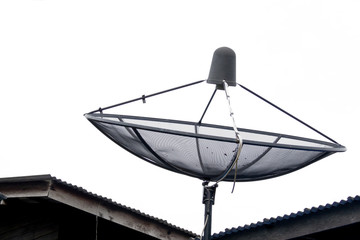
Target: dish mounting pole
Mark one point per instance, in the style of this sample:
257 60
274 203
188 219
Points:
208 200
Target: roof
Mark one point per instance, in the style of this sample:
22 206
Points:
338 213
47 186
308 221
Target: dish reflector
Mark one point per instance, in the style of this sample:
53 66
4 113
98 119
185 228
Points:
207 151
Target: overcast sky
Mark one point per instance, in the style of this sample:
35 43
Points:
61 59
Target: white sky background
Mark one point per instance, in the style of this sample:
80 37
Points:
61 59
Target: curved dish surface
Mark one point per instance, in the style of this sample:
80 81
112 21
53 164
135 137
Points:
207 151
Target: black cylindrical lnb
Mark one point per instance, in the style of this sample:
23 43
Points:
223 67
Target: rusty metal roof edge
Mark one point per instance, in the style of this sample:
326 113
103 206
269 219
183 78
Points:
266 221
48 177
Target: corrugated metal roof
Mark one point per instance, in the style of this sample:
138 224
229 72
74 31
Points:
48 177
286 217
108 200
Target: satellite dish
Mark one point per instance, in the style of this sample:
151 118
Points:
211 152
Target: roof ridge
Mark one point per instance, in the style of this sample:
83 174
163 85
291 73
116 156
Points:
40 177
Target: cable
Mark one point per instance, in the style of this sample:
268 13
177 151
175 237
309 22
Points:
202 233
237 134
96 229
238 138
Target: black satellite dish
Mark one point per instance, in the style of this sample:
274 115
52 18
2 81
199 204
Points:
210 152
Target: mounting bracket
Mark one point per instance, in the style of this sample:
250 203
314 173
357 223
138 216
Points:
208 200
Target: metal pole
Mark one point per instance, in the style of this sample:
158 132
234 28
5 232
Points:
208 200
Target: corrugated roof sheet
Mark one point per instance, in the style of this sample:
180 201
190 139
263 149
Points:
108 200
286 217
48 177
